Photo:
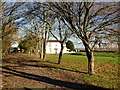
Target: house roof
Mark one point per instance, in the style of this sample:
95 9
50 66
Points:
53 41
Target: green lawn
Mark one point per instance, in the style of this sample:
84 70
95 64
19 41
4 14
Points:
106 68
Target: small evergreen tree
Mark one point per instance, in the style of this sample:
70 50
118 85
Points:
70 45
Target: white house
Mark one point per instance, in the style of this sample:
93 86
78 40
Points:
53 47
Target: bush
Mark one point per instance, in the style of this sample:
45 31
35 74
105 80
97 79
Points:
70 45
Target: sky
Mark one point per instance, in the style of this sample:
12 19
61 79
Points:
61 0
74 40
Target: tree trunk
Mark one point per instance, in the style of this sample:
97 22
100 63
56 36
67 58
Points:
44 50
42 46
45 41
8 50
90 58
41 51
60 54
37 49
91 63
41 54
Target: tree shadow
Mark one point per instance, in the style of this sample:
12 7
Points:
51 66
33 61
42 61
21 62
54 67
48 80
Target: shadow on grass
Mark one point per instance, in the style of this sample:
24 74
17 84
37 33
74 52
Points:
21 62
50 80
98 54
42 61
35 63
79 54
54 67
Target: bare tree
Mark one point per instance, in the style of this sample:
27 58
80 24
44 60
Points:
89 21
46 19
9 29
61 34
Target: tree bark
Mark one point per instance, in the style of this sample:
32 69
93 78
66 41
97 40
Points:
44 50
41 50
90 57
91 63
60 54
45 41
42 45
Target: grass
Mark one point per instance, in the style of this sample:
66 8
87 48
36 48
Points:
106 68
103 57
75 65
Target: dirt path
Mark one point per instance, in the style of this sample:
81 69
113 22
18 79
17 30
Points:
21 71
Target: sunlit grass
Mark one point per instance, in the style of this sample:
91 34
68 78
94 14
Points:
106 67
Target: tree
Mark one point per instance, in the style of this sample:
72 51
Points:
61 34
0 30
89 21
8 37
28 43
32 18
47 17
70 45
44 19
9 29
